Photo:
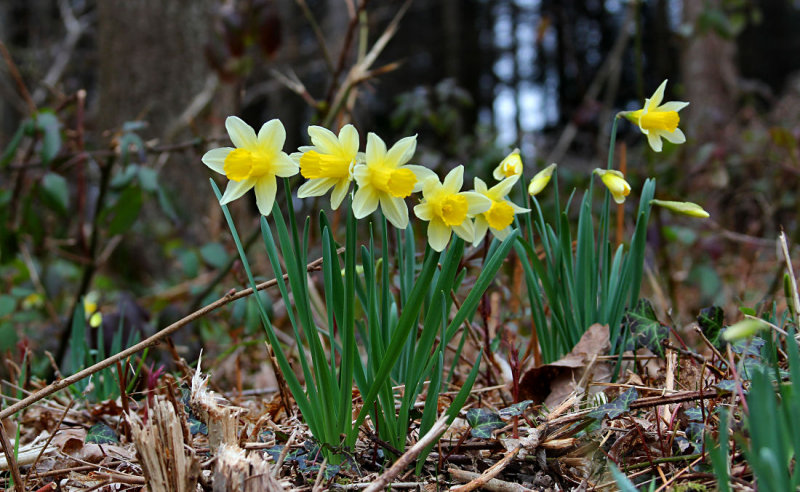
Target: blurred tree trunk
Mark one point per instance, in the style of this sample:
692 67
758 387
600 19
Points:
709 75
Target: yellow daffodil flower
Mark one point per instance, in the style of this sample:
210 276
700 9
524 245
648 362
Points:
501 213
254 163
384 178
615 182
448 209
328 163
686 208
658 120
541 179
91 309
510 166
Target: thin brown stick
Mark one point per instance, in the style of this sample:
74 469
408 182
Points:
12 68
12 461
493 485
409 456
491 473
149 342
47 443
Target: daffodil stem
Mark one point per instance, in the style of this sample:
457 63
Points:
612 142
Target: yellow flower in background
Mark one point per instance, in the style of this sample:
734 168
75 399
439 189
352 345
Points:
254 163
384 178
658 120
615 182
328 163
510 166
500 215
91 309
685 208
746 328
448 209
541 179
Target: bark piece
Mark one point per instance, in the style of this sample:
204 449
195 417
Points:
168 464
236 469
222 421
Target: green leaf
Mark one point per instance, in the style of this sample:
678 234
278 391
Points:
8 336
55 191
101 434
148 178
13 144
515 409
645 329
48 124
197 427
614 409
483 422
7 305
125 211
214 254
710 320
694 413
725 386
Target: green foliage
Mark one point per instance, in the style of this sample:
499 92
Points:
101 434
644 329
617 407
711 321
483 422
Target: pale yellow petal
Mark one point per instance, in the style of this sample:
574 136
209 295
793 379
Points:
242 135
503 188
324 140
481 226
272 136
423 211
348 138
438 235
339 192
454 179
265 189
365 202
673 106
284 166
402 151
480 186
476 202
658 96
376 149
215 158
465 230
676 137
422 173
315 187
655 141
395 210
235 189
502 235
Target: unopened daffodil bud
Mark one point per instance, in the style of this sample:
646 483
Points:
508 167
615 182
743 329
685 208
541 179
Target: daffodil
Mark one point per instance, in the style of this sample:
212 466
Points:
384 178
658 120
541 179
510 166
686 208
743 329
254 163
615 182
448 209
501 212
328 163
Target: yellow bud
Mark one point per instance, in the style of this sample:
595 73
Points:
743 329
541 179
615 182
685 208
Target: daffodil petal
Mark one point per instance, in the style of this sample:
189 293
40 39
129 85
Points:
272 136
423 211
395 211
654 140
423 174
324 140
504 187
479 185
673 106
265 189
454 179
235 189
284 166
339 192
242 135
516 208
315 187
481 225
676 137
365 202
215 158
376 148
465 230
477 203
402 151
438 235
348 138
658 95
503 234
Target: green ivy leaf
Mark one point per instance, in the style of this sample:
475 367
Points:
125 211
710 321
48 124
645 329
101 434
725 386
55 192
197 427
614 409
515 409
694 413
483 422
7 305
214 254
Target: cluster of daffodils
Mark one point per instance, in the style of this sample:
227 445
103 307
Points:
383 178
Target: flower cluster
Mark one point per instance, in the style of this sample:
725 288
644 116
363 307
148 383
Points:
383 177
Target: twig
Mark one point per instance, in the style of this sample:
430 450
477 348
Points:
491 473
409 456
317 33
47 443
12 68
493 485
149 342
75 28
11 459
